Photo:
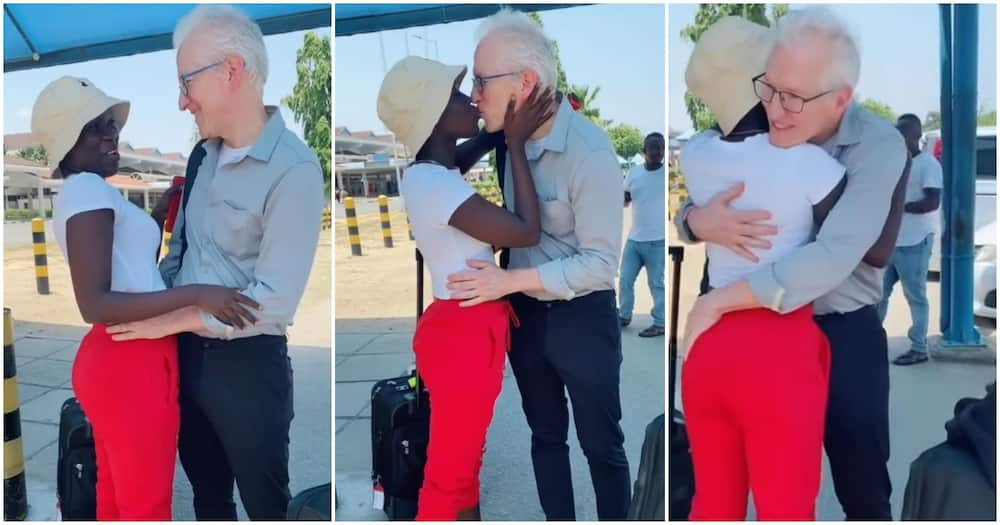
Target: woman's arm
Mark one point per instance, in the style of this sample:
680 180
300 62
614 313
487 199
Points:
495 225
880 252
89 240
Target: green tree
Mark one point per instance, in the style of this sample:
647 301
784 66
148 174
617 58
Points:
709 14
588 104
881 109
310 99
987 119
561 83
626 139
34 154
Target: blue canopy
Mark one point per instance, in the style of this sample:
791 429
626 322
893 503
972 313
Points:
353 19
42 35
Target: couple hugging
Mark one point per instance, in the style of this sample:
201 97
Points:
560 234
189 356
798 192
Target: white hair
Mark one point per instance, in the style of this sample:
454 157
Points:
821 22
526 45
227 30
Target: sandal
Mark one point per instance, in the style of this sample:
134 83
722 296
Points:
910 358
652 331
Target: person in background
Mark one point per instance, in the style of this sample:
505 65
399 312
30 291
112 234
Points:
911 257
645 191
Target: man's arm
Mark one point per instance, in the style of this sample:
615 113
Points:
930 202
291 232
684 232
468 153
593 194
879 254
850 230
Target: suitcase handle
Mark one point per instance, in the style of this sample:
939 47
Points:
676 259
420 312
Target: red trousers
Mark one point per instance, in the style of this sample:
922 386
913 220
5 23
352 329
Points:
461 356
754 390
129 391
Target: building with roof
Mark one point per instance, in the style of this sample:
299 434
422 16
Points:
144 174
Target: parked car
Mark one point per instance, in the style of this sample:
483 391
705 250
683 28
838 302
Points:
984 237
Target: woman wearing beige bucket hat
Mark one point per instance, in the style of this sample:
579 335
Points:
129 390
460 351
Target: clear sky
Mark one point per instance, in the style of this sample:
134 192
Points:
900 56
149 82
616 47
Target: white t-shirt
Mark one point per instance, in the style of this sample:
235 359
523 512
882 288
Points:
786 182
136 235
432 195
925 172
648 191
229 155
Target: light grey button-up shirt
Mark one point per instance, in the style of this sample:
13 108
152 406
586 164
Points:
828 271
580 188
252 224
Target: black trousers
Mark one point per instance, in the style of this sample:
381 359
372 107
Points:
236 410
572 347
857 414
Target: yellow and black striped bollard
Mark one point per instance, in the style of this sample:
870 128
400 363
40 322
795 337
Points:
409 226
41 261
15 492
352 226
383 211
166 243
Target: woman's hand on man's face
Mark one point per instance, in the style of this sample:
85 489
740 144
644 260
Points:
519 125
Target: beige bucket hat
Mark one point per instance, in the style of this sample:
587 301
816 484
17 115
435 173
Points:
62 110
413 96
726 58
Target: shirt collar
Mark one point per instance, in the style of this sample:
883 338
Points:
556 139
849 131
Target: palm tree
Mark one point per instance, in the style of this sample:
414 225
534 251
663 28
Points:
588 101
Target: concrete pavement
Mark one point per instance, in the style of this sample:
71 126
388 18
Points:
368 350
44 355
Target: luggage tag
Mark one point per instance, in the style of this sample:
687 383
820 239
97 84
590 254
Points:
378 497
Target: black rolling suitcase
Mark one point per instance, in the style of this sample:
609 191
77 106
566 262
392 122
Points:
76 475
401 417
647 495
681 483
311 504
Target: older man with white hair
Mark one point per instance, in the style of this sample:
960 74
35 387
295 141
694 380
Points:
807 91
251 221
562 289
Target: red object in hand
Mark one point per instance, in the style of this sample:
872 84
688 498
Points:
175 205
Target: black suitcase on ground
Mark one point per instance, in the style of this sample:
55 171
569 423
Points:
311 504
76 476
681 482
647 495
401 416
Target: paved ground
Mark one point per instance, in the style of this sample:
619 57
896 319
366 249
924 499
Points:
373 342
48 331
922 397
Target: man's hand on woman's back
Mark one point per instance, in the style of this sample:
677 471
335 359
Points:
739 230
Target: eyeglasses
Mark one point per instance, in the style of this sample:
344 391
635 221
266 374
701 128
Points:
186 77
790 101
479 83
